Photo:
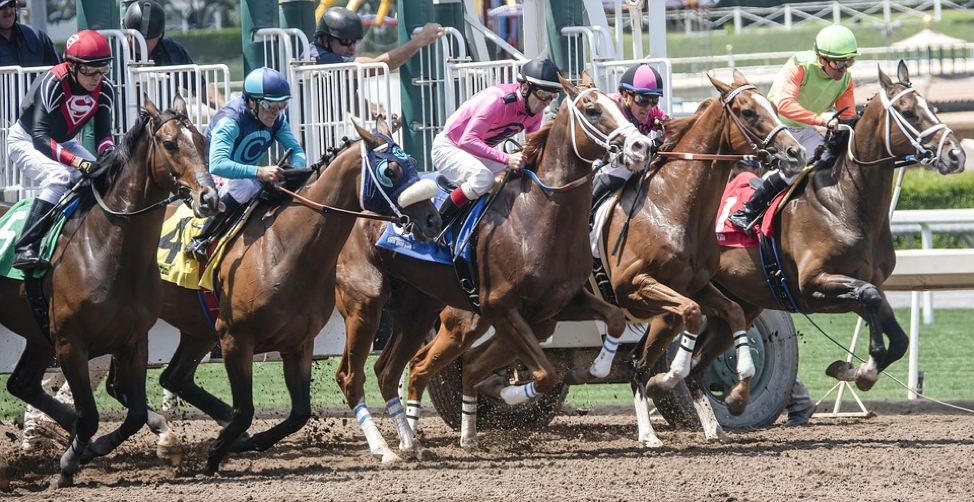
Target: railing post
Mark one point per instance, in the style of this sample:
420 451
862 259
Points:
936 10
787 17
738 23
926 242
836 13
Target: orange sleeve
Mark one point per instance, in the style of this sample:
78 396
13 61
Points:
785 93
847 99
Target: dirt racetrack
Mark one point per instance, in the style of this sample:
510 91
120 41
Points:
899 455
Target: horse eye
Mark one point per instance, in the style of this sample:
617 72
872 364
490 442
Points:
593 112
908 114
749 114
392 172
170 145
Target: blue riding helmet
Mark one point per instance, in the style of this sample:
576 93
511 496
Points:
267 84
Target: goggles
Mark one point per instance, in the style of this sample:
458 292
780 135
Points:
345 42
272 106
645 99
839 64
88 70
544 95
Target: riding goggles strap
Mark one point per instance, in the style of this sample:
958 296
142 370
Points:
911 133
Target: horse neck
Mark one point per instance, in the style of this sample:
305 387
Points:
338 187
555 168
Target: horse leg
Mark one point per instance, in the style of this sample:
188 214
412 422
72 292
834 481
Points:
717 306
238 356
74 365
25 384
178 378
361 324
297 377
128 384
586 306
450 342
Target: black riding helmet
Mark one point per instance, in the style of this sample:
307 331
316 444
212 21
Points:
339 22
147 17
542 74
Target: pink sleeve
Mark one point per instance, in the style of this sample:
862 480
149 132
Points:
471 140
785 91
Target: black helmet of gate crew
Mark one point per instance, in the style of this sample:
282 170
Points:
341 25
539 79
147 17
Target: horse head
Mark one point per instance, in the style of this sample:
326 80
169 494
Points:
391 185
918 131
758 127
598 127
178 159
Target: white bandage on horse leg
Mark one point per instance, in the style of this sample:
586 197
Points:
680 367
517 394
372 435
745 365
603 363
413 409
398 416
468 418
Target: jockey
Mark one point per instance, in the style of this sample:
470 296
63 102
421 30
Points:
238 136
339 29
810 83
465 152
41 143
640 90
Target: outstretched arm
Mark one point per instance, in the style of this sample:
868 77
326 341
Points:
398 56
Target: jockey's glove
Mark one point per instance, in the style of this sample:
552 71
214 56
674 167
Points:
95 169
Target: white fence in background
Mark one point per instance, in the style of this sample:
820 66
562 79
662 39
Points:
14 83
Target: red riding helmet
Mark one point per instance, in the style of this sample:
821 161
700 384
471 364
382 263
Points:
88 47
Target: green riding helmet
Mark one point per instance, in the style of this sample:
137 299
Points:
836 42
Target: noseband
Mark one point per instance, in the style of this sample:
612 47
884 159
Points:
914 136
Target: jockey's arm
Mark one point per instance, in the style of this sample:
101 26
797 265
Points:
221 149
103 121
785 90
44 143
472 142
847 102
287 141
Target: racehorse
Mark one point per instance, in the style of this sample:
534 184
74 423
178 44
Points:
834 239
103 290
530 250
276 285
659 245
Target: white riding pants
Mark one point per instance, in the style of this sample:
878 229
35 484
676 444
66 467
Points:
51 176
475 175
808 137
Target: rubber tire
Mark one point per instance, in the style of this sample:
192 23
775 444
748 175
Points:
770 387
446 388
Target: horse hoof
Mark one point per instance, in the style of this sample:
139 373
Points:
173 454
738 399
470 445
841 370
864 384
388 458
651 443
62 481
491 386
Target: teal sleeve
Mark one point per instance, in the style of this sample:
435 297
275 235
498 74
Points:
287 140
224 134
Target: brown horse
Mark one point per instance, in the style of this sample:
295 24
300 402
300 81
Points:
103 291
660 247
276 286
530 259
835 245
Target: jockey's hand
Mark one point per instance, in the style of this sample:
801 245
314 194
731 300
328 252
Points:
515 161
91 169
657 123
270 174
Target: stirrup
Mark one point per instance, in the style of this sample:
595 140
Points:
196 249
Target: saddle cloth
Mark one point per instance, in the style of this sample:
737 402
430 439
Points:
12 225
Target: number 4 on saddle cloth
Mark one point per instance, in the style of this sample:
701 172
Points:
455 247
737 192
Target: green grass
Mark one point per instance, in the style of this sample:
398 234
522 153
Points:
945 353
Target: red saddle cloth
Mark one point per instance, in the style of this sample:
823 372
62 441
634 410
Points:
737 192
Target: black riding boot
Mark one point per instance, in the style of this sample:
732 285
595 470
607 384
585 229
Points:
759 201
449 210
27 250
603 185
197 246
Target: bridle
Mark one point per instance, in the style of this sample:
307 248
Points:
181 192
923 155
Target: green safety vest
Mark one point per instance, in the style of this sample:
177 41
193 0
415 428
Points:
817 91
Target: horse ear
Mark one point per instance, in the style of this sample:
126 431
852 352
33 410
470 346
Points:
586 80
903 73
721 87
739 78
568 86
179 105
884 80
150 108
371 141
382 125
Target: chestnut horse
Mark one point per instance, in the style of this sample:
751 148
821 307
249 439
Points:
276 285
834 239
530 256
103 290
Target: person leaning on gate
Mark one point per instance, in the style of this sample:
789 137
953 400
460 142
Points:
640 90
149 19
21 44
339 29
465 151
238 137
810 83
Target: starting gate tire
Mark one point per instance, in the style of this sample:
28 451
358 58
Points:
776 366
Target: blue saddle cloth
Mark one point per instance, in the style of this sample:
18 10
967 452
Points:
393 239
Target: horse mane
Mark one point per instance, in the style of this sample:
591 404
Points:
331 153
124 151
677 128
535 144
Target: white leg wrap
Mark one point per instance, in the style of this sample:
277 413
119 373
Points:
745 365
680 367
468 421
603 363
372 435
398 416
413 409
517 394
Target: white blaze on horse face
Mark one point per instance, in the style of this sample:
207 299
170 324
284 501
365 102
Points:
637 145
763 102
922 104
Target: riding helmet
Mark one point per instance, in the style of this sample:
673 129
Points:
541 73
339 22
836 42
147 17
88 47
642 79
267 84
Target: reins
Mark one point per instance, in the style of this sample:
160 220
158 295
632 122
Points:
325 209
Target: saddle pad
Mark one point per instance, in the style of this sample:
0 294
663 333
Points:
737 192
174 265
216 251
11 226
602 213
